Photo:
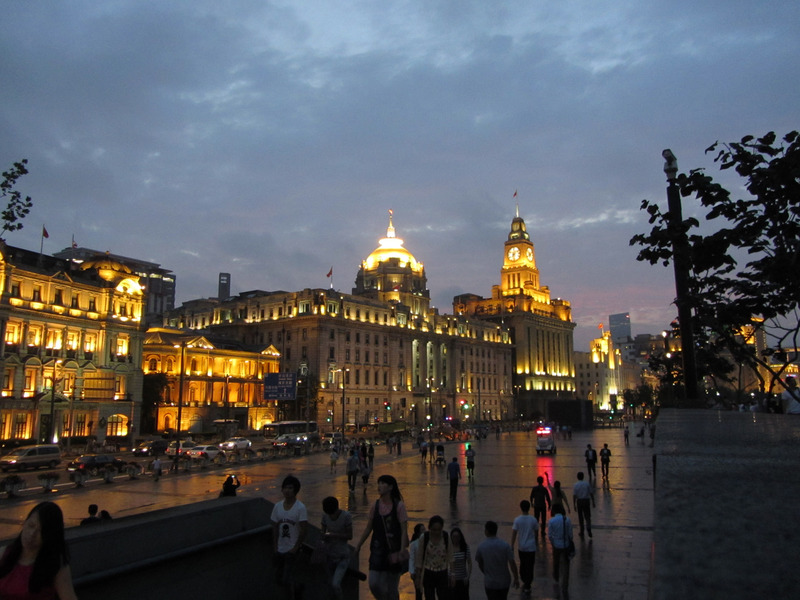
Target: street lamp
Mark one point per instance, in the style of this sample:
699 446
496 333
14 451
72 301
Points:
343 371
680 263
52 433
182 346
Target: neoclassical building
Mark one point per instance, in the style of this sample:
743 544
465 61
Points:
541 326
377 354
222 387
71 347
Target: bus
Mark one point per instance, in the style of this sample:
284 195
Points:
270 431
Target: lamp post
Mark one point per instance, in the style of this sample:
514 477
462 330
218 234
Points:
182 346
680 263
51 434
344 416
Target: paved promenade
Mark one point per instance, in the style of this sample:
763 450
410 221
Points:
614 564
727 487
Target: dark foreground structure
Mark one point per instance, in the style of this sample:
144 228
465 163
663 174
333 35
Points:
727 490
214 549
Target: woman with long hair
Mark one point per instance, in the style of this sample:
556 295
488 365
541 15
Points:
460 565
557 496
388 550
35 566
433 561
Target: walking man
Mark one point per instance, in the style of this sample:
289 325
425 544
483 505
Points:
581 497
495 558
559 530
524 528
591 461
289 525
156 468
352 467
453 474
470 455
605 460
540 499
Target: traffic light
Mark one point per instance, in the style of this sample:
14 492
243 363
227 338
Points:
387 406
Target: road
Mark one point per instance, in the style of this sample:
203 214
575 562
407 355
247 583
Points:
615 564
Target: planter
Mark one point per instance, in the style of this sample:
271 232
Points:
48 481
79 478
108 474
220 459
200 462
11 485
134 470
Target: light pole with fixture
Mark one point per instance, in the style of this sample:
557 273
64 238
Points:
344 383
681 266
182 346
51 434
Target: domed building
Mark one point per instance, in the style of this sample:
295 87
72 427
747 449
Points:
392 274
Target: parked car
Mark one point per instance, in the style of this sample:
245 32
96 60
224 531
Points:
92 463
31 457
287 440
236 443
334 438
209 452
184 446
151 448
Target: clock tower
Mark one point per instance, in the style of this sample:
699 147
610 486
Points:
519 271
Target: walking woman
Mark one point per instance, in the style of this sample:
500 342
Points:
413 548
35 566
388 549
557 495
460 565
433 560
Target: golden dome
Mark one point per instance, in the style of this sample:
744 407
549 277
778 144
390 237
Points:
391 247
107 268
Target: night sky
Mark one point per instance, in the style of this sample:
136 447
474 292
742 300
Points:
270 139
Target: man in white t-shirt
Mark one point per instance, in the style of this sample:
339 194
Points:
524 529
289 527
791 397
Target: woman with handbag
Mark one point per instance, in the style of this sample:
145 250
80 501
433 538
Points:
433 561
388 549
559 530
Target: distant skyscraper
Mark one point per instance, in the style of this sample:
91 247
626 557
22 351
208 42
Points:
620 325
224 287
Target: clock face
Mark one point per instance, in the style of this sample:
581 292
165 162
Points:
513 253
529 254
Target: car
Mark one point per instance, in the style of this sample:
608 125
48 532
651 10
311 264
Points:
236 443
92 463
184 446
209 452
151 448
288 440
545 440
31 457
332 438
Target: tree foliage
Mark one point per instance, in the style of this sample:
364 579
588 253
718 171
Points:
17 207
745 273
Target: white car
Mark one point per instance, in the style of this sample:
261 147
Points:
236 443
209 452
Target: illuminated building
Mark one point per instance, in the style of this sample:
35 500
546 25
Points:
541 326
602 375
223 381
157 283
72 346
381 347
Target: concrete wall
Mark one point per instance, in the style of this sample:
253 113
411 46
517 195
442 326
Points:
214 549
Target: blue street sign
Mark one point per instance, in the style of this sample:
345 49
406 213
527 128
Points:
280 386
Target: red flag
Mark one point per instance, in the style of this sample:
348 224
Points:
44 232
329 272
600 326
515 193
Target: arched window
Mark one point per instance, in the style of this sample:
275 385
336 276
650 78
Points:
153 365
117 426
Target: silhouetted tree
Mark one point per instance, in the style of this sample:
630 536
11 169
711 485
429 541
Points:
17 207
745 273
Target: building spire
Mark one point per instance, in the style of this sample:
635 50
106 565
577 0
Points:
390 230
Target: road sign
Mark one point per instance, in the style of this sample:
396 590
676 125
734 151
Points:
280 386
